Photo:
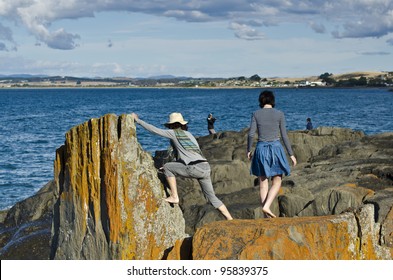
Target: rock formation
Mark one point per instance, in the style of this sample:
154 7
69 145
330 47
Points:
348 236
108 197
25 230
106 201
338 169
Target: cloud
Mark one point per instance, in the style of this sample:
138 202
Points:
246 32
373 18
2 47
18 65
318 28
390 41
375 53
37 17
354 19
190 16
61 40
6 35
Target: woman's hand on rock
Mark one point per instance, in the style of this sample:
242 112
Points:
293 158
134 116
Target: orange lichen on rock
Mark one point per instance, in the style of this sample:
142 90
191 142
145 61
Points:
109 196
313 238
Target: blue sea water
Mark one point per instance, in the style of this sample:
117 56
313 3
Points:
33 122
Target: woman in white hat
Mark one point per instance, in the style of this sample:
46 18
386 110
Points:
190 161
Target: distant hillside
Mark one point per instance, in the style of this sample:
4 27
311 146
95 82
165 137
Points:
369 79
357 75
167 77
351 75
344 76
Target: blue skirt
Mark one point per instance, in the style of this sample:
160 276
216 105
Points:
269 160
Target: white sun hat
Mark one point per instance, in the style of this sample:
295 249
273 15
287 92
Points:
176 118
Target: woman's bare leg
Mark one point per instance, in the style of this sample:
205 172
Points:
276 185
174 197
263 189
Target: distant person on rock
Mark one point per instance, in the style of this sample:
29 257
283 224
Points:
210 123
190 162
269 159
309 125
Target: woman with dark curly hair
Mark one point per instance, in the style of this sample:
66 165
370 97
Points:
269 159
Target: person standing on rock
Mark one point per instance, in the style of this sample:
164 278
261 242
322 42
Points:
190 163
210 123
269 159
309 125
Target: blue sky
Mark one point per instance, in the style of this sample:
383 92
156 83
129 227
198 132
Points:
198 38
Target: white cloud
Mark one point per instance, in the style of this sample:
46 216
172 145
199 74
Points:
354 19
191 16
140 38
246 32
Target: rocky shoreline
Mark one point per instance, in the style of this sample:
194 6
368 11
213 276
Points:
106 198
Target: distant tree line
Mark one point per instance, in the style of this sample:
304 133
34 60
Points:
349 80
380 81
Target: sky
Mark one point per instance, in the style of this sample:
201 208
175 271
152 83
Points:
195 38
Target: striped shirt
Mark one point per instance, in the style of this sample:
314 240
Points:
184 155
271 126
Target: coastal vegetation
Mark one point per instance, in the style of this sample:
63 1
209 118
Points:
354 79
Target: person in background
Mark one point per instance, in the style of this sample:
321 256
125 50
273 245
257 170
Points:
190 162
309 124
269 159
210 123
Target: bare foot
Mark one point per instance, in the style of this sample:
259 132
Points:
172 200
268 213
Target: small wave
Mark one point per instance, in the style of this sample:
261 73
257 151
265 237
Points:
11 193
8 166
15 186
39 141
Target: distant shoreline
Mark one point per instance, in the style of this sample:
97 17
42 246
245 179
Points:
354 79
389 88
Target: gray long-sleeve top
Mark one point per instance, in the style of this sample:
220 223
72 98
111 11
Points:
183 154
270 124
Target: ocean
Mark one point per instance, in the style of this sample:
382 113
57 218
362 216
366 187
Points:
33 122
